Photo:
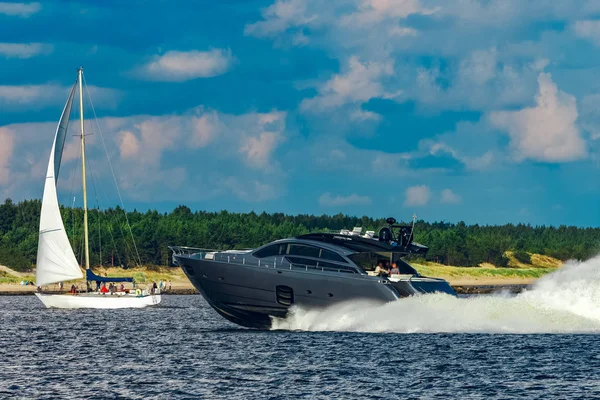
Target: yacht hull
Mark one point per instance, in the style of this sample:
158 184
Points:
94 300
251 295
409 285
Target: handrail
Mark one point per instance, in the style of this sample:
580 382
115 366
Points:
240 260
185 249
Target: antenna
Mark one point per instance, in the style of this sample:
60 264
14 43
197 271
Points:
412 230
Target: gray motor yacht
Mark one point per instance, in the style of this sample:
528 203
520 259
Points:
316 270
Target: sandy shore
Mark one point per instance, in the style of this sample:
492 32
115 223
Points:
462 285
466 281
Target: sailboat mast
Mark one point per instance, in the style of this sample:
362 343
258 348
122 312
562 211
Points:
85 210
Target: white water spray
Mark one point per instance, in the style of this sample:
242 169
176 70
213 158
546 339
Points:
566 301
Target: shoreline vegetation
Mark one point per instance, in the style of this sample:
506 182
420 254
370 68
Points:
460 253
516 274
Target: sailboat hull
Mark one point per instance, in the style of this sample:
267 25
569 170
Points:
94 300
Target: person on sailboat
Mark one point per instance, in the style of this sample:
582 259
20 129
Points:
104 289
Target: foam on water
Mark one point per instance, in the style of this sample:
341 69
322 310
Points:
566 301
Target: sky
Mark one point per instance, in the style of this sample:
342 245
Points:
459 110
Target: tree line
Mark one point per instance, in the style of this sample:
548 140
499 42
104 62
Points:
111 232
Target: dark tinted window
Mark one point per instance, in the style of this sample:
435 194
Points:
302 250
327 266
367 261
271 251
405 268
302 261
330 255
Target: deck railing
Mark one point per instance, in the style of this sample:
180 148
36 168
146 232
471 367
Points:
237 258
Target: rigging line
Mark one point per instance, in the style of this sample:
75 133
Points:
116 220
99 237
116 251
112 170
72 192
95 180
97 183
81 249
110 220
73 175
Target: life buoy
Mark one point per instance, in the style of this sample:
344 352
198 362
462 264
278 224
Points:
138 292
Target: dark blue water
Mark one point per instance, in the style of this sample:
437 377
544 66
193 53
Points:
184 350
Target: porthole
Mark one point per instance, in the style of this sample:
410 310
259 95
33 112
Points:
309 292
330 294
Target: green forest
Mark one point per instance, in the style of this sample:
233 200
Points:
111 232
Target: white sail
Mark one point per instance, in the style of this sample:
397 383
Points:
56 261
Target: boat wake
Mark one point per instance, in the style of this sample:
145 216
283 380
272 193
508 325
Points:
566 301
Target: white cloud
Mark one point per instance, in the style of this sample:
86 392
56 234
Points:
258 135
471 162
588 29
258 149
336 154
362 115
329 200
255 135
279 17
374 11
129 145
515 12
449 197
154 156
477 56
180 66
23 10
205 129
7 139
360 83
252 191
14 97
478 163
26 94
480 66
402 31
547 132
480 80
590 115
24 50
417 196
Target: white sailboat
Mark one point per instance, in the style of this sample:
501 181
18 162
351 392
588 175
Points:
56 261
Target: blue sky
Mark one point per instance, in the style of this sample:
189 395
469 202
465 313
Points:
483 111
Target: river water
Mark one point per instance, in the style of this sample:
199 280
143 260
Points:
540 344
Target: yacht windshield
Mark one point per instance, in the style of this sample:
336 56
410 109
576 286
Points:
369 261
405 268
